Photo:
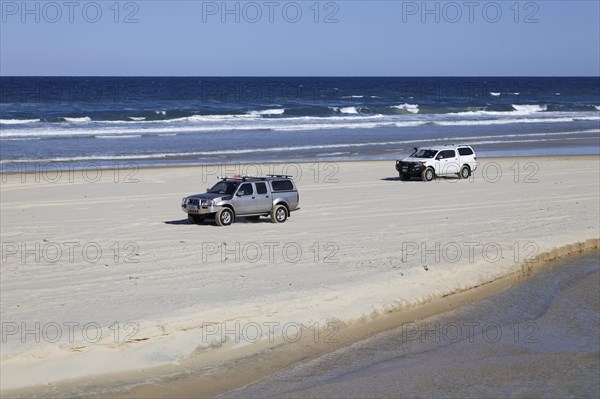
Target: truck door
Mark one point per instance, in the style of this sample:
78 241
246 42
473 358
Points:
264 202
452 162
446 163
244 200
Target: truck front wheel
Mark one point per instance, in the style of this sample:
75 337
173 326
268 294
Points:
224 217
427 175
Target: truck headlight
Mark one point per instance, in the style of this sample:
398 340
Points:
184 201
207 202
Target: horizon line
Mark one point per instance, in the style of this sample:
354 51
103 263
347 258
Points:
299 76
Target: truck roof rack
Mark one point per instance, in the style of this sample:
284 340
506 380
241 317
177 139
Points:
246 178
282 176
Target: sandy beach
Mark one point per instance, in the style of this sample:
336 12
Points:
106 286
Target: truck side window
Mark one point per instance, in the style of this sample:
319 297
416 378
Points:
261 188
246 189
282 185
449 154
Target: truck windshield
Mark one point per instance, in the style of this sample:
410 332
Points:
424 154
224 187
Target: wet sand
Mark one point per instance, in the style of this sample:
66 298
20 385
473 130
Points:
540 338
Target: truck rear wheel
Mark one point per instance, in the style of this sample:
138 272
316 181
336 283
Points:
224 217
279 214
465 172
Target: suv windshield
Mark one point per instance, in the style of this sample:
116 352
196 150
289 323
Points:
224 187
424 154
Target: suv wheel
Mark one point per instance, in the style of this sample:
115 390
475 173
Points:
224 217
428 174
465 172
196 219
279 214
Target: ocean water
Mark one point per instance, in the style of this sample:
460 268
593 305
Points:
149 121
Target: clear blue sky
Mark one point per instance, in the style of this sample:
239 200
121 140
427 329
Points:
370 38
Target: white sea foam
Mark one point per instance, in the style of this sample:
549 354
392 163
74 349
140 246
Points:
512 121
245 122
17 121
275 111
333 154
208 118
495 94
298 125
349 110
412 108
84 119
120 136
481 112
529 108
22 139
137 118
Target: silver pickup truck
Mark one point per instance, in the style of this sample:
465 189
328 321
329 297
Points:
275 196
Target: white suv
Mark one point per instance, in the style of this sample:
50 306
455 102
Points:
448 160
